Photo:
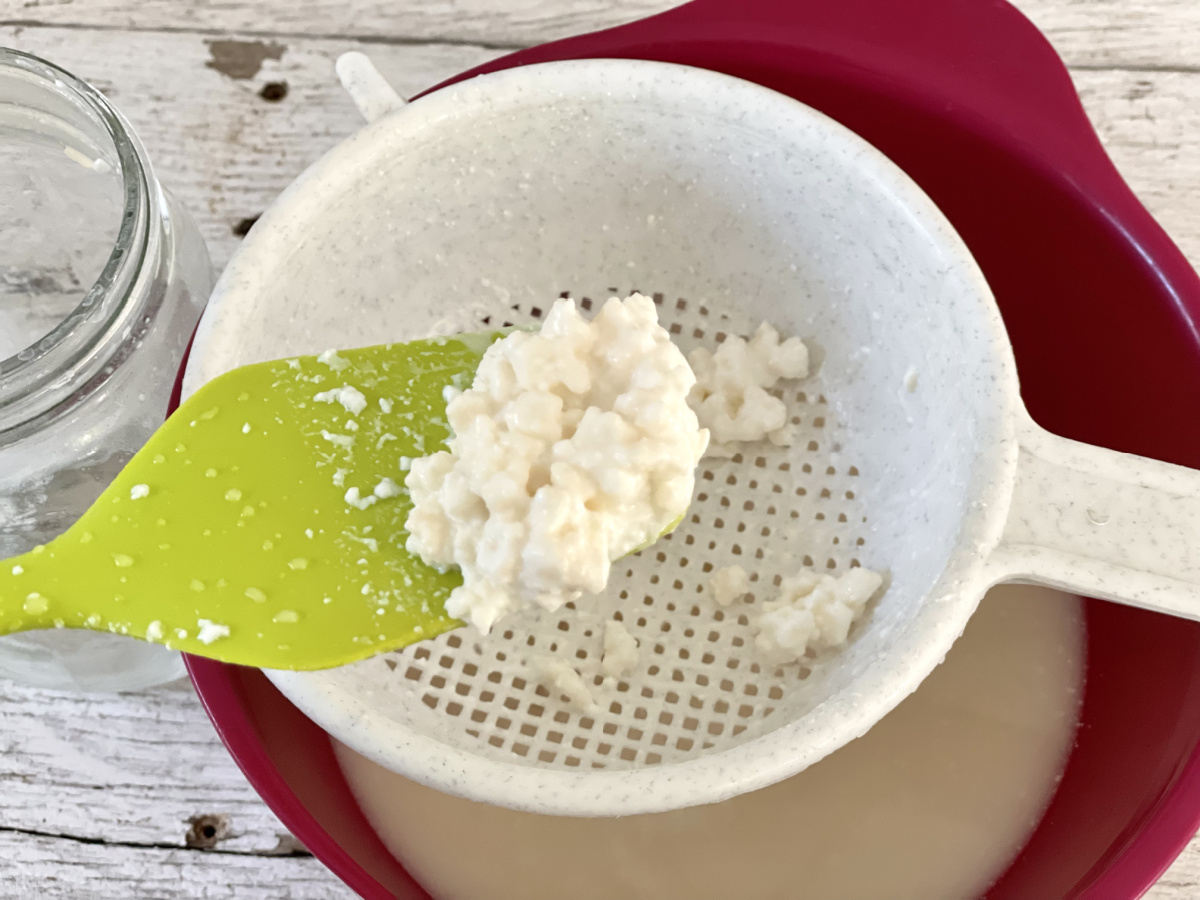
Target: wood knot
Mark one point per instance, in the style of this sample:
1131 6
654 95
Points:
242 228
207 831
274 91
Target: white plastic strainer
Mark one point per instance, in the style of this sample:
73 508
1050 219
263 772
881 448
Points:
483 202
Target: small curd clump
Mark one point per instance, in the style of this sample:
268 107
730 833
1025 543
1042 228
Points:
573 447
731 395
814 611
620 650
730 583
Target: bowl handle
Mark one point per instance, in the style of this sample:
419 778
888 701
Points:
1102 523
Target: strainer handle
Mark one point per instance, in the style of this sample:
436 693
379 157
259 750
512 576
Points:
369 90
1104 524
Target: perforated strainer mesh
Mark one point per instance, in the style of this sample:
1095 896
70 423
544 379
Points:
699 685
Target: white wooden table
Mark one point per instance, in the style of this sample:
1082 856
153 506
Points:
133 796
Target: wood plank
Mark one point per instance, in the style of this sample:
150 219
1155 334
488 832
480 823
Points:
106 795
1153 34
1145 34
57 869
513 23
125 768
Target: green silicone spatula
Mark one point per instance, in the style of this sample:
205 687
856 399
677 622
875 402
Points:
263 524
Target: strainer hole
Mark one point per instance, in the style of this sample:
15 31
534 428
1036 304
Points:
653 758
454 708
412 673
438 681
430 701
659 739
715 728
520 749
775 693
478 715
496 741
685 744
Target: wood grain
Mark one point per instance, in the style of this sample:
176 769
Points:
1156 34
44 868
233 99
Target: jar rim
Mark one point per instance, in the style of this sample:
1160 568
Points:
46 374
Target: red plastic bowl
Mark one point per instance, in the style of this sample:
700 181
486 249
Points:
1102 308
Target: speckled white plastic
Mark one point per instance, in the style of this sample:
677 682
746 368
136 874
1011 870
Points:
483 202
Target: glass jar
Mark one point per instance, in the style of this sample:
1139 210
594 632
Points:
102 279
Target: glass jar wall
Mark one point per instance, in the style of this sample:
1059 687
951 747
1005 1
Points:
102 279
